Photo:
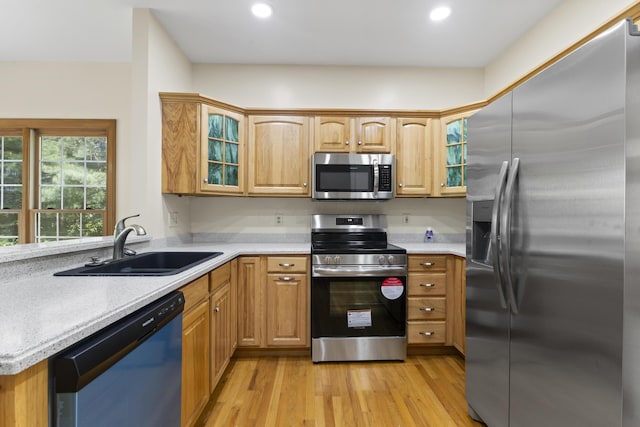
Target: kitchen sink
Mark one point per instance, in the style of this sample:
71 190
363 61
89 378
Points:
147 264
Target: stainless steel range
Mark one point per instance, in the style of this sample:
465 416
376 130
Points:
358 290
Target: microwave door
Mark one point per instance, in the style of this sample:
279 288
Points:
352 176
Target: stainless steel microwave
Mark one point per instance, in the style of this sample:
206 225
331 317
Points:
340 176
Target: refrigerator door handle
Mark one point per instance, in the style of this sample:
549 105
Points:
495 229
505 232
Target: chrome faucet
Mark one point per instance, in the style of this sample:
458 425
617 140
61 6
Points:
120 234
120 225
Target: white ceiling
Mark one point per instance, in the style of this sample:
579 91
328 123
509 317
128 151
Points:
315 32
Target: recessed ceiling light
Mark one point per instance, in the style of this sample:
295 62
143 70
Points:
262 10
439 13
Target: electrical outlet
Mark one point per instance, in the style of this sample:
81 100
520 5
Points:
173 219
405 218
279 219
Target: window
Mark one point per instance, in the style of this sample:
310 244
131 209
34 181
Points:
11 173
70 193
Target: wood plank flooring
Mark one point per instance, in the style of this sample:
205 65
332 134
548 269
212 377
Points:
292 391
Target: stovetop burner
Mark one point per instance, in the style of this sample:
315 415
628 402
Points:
345 234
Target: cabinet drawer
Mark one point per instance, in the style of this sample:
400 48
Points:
220 276
195 291
287 264
426 308
420 263
427 284
432 332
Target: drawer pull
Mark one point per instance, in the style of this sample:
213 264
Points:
286 265
426 333
216 309
427 285
427 308
286 279
427 264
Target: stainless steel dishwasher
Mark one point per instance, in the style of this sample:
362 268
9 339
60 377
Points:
128 374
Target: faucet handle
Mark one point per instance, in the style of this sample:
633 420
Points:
120 225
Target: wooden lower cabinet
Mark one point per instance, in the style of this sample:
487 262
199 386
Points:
460 302
427 332
195 362
286 310
24 397
208 337
223 313
273 301
250 297
435 301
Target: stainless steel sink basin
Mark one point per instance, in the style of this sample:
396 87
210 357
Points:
147 264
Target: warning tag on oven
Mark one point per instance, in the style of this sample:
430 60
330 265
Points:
358 318
392 288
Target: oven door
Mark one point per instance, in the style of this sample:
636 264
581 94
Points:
358 306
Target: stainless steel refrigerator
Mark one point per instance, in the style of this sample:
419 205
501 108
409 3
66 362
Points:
553 244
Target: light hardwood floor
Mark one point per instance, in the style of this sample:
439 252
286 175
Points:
292 391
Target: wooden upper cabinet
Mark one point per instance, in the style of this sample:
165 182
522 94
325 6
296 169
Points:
332 134
414 167
222 151
180 145
353 134
374 134
203 147
451 160
278 158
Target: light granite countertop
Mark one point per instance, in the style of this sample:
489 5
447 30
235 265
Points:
42 314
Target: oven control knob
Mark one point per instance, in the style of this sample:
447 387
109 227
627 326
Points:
390 259
336 259
382 260
327 259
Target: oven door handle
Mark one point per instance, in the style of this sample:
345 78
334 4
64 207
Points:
356 271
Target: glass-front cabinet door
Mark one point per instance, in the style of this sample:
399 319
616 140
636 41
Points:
453 155
222 151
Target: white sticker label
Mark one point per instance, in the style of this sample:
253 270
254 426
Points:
392 288
358 318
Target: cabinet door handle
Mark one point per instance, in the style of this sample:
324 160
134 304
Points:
205 180
346 142
427 264
304 184
216 309
284 264
426 333
359 142
286 279
442 184
427 308
401 185
427 285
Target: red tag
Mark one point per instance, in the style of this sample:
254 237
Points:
392 288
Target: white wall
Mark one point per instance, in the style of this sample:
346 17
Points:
564 26
158 65
282 86
257 215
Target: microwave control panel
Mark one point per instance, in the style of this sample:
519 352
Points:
385 178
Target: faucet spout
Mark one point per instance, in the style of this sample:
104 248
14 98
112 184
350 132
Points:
121 237
121 225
